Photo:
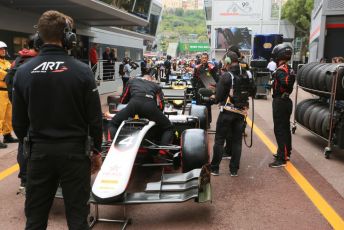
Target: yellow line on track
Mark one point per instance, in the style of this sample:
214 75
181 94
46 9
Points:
325 209
9 171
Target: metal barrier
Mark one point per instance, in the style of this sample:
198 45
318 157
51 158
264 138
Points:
105 71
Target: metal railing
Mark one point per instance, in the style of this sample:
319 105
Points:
105 71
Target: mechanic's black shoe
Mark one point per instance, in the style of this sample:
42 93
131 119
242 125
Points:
215 172
226 156
275 156
2 145
9 139
234 173
22 185
22 189
277 164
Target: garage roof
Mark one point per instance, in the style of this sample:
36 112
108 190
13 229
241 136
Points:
88 12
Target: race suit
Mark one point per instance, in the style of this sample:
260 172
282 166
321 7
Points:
283 81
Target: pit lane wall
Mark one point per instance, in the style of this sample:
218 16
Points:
327 30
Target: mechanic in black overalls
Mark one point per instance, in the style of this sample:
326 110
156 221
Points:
233 109
204 69
145 99
244 68
282 106
56 105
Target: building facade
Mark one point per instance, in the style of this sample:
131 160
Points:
237 21
185 4
327 30
127 29
172 4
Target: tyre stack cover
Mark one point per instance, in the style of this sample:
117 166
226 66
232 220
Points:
319 76
314 115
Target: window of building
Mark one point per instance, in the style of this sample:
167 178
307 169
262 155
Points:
19 43
127 52
141 8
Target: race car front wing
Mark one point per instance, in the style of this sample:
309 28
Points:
173 188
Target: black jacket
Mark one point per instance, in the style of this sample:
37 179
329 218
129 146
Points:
56 99
283 80
138 87
207 69
242 85
223 88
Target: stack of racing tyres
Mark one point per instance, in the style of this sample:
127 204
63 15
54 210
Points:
324 115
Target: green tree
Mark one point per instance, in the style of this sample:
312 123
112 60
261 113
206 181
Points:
298 12
203 38
177 25
179 12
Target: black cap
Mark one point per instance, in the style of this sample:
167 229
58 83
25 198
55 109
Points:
230 57
234 49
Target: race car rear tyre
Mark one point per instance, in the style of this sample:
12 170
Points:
201 112
194 154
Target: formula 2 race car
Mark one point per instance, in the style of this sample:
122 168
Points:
135 145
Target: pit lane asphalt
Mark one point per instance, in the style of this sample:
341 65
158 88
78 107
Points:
259 198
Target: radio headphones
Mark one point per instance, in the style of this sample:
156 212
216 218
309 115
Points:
37 41
228 60
69 37
68 40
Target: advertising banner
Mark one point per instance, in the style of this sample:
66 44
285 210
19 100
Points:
194 47
237 11
225 37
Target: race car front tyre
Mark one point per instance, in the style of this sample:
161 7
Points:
194 154
201 112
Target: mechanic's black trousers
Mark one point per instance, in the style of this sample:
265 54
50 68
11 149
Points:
22 161
50 165
125 81
281 111
145 108
228 123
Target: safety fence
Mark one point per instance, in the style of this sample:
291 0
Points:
106 71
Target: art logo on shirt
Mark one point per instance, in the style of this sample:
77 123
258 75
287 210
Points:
50 66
